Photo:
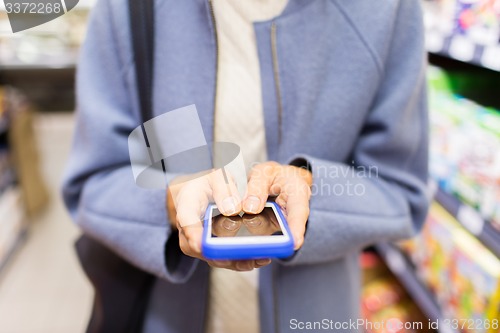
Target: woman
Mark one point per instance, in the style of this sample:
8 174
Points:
332 91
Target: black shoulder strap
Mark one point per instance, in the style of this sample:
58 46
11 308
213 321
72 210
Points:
141 13
142 31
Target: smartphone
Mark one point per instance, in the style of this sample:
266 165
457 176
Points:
246 236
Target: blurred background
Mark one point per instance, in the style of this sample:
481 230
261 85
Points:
451 271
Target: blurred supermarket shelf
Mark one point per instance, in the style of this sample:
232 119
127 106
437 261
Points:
48 86
66 60
463 49
401 267
470 220
41 61
463 30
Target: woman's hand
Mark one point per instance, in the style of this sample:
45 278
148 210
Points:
187 202
291 185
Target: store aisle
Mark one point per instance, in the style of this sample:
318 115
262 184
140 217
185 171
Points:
43 290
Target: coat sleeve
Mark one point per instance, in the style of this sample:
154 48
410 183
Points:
98 188
381 193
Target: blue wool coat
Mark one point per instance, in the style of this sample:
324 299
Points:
352 92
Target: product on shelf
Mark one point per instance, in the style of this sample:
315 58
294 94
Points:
433 251
465 146
21 187
381 293
372 266
462 273
22 148
53 44
440 15
400 318
11 208
385 305
477 20
475 276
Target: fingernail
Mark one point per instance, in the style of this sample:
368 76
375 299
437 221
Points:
252 204
262 262
229 205
243 267
223 263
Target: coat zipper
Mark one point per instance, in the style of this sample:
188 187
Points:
280 110
216 38
274 52
277 83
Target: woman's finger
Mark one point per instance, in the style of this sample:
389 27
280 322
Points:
192 201
259 183
297 209
225 192
190 240
293 185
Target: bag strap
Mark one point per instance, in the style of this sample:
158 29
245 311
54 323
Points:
142 31
141 13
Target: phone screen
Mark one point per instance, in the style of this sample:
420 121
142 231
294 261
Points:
246 225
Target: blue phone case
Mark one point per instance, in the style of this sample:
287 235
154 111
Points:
246 251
